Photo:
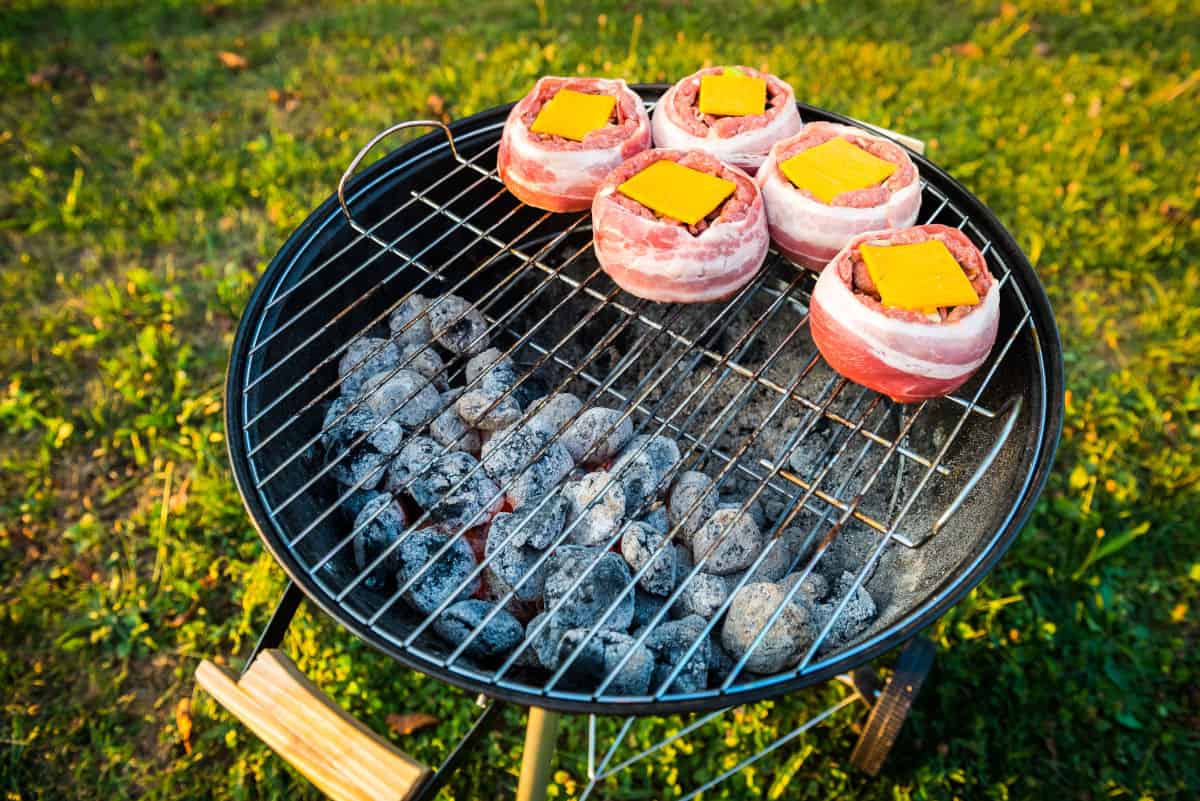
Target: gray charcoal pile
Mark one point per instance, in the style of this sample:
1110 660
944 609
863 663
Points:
537 528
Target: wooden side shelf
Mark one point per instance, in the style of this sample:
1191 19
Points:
342 757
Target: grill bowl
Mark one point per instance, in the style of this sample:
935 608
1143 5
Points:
984 454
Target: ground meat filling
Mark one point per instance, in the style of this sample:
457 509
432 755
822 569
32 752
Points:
733 208
622 122
853 270
687 106
860 198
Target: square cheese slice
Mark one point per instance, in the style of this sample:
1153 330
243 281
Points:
834 167
678 192
732 94
573 115
918 277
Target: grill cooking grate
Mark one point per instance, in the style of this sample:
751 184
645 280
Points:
824 453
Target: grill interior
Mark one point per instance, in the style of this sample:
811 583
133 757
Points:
901 501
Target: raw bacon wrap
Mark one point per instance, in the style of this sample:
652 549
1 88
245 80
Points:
662 259
901 353
741 141
810 232
558 174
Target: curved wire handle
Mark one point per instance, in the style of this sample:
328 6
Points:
362 154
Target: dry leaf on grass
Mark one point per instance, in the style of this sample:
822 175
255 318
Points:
232 60
284 99
183 722
410 722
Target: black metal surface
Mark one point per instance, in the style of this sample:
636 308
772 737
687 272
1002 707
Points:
1036 433
272 636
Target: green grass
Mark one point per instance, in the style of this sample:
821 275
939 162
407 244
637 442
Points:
136 213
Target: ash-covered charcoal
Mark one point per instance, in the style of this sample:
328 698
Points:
489 402
640 545
449 429
657 520
720 663
702 596
598 524
512 564
645 606
344 423
423 359
755 509
799 542
536 525
773 567
443 576
354 504
691 489
453 490
737 540
377 526
363 469
407 397
544 643
495 639
510 458
457 325
858 612
669 642
783 644
409 323
601 585
366 362
489 410
550 415
642 466
813 588
517 542
597 436
492 369
600 655
416 455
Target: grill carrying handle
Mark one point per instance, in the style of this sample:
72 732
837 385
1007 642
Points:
342 757
362 154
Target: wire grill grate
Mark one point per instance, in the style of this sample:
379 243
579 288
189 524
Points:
447 225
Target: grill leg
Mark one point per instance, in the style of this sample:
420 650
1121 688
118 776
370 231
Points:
540 735
281 619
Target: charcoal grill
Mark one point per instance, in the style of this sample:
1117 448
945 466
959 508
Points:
932 492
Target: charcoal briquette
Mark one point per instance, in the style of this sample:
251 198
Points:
491 640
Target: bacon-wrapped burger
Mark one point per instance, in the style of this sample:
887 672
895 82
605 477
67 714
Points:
563 137
831 182
734 113
910 313
679 227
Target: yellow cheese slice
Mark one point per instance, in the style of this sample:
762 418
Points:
573 115
678 192
918 277
732 94
834 167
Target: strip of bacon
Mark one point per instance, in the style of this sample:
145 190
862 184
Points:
661 259
810 232
742 142
902 354
557 174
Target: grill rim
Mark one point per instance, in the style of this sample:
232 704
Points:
1046 340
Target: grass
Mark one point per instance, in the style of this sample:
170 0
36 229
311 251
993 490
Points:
144 185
